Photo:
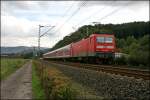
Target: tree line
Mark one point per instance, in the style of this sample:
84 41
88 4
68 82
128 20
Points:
137 50
131 38
136 29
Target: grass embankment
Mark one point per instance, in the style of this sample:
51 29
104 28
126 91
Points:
60 85
57 86
38 92
8 66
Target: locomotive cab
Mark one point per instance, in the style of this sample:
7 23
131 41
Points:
104 45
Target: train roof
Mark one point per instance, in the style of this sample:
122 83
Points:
94 34
64 47
104 34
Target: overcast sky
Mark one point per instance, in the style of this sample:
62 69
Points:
20 19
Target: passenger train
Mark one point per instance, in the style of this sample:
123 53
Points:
97 48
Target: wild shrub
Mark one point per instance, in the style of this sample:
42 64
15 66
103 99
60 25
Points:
55 84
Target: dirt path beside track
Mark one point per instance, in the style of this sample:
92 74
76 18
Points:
19 84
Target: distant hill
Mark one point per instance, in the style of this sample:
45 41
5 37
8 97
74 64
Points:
19 49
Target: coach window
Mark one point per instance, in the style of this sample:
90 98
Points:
108 40
100 39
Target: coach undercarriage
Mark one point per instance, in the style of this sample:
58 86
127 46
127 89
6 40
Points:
99 58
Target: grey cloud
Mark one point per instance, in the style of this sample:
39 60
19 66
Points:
113 3
12 32
12 6
35 8
9 5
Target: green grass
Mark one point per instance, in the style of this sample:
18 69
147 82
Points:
67 89
38 91
58 86
10 65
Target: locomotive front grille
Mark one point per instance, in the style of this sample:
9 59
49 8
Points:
105 55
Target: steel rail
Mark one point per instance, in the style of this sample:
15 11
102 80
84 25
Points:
136 73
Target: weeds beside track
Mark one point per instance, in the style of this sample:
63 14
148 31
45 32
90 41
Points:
109 86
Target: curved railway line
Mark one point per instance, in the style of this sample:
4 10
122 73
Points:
137 73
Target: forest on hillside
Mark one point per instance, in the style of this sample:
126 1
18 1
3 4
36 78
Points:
135 29
131 38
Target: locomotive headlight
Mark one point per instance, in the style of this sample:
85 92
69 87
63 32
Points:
110 47
100 47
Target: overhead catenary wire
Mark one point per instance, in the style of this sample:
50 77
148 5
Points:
112 12
47 31
68 19
57 22
66 12
73 14
82 5
91 15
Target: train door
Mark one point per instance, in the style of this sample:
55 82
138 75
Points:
90 46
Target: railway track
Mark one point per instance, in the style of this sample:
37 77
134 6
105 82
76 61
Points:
144 74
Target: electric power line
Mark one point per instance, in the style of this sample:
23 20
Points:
47 31
85 19
57 22
73 14
114 11
66 12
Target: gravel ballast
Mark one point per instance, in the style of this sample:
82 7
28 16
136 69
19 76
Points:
108 85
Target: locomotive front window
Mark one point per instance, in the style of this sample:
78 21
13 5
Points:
104 39
108 40
100 39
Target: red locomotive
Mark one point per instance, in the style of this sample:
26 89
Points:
96 48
